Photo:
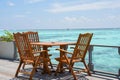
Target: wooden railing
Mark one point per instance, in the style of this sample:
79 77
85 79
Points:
91 65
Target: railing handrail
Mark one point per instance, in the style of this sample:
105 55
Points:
104 46
91 65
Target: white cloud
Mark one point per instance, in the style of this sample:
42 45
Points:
84 21
112 17
80 19
28 12
33 1
38 21
57 5
19 16
89 6
70 19
11 4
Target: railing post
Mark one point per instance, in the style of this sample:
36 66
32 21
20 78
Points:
119 68
90 64
119 50
119 74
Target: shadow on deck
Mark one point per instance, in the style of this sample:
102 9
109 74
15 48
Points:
8 69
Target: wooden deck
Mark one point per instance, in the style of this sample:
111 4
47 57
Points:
8 69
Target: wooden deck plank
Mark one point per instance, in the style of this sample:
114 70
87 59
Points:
8 69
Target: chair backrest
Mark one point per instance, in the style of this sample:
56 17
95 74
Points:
24 48
33 37
82 45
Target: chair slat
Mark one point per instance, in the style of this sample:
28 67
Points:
78 54
26 54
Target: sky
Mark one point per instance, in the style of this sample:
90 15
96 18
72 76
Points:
59 14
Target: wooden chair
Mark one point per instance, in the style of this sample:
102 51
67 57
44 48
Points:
34 37
78 55
27 55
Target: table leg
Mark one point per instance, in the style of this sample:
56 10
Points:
61 55
45 61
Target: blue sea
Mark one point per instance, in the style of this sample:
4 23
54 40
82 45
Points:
104 58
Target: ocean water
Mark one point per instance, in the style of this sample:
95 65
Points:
104 58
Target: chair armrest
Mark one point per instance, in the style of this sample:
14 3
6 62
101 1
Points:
40 51
64 51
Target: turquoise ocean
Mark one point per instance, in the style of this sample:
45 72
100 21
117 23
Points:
104 58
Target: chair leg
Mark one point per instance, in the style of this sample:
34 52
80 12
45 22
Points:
72 72
51 65
46 67
88 71
71 66
20 64
34 68
32 72
58 66
24 66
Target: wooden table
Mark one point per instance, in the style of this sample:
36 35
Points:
63 45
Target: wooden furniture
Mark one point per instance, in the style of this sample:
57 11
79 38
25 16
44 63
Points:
78 55
63 45
27 55
34 37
